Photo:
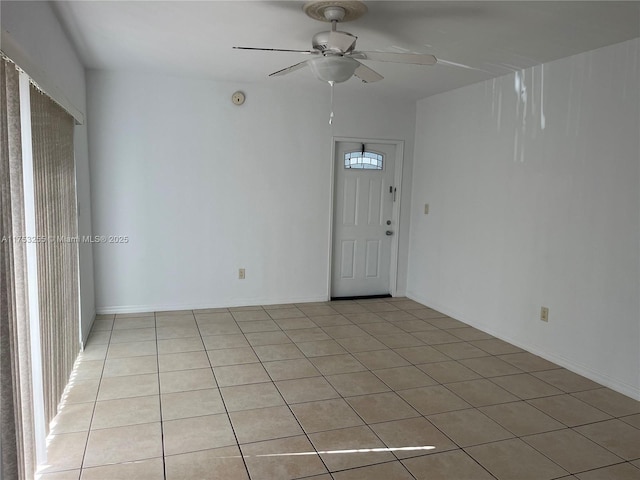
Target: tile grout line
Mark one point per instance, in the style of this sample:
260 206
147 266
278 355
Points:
95 403
477 408
164 463
424 416
400 460
393 390
224 404
623 460
340 396
306 435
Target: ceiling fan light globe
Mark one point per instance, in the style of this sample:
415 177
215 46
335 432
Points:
335 69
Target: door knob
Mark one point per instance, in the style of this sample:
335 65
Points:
388 222
388 232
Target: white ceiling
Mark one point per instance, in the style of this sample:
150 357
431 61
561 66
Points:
194 38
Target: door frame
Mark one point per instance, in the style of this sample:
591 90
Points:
396 210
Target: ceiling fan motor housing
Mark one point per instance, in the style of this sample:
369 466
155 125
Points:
320 42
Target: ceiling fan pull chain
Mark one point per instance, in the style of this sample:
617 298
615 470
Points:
331 115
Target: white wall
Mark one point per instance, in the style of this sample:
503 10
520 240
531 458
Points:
534 201
40 41
203 187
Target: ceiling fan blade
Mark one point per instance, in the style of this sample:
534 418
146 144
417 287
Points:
413 58
290 69
308 52
340 41
366 74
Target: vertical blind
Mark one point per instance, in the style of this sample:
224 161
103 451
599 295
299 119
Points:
57 244
56 239
16 399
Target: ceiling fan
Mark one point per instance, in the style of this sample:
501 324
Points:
334 57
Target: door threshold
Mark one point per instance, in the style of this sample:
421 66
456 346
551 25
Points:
361 297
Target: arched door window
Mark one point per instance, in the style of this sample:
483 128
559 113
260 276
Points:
364 160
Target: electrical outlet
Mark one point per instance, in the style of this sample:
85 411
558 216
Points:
241 274
544 314
426 209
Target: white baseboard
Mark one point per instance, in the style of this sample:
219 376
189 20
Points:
105 310
598 377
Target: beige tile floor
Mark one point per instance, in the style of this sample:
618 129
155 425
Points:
273 392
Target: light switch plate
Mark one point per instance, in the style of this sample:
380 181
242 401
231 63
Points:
544 314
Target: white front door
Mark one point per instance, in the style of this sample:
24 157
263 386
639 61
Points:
363 226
